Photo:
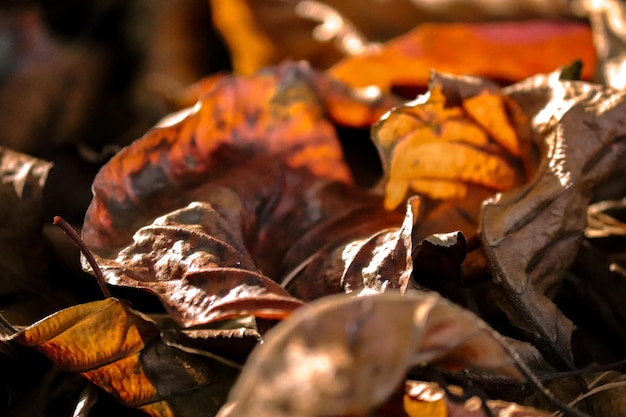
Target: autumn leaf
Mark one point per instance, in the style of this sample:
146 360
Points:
345 355
196 262
368 251
256 163
532 234
447 145
119 350
531 231
500 51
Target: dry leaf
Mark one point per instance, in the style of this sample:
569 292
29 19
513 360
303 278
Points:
532 234
259 163
194 259
447 144
500 51
119 350
345 355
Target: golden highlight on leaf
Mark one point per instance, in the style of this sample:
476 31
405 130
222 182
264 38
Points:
424 399
432 148
120 351
65 332
102 340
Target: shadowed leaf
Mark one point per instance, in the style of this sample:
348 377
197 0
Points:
120 351
531 235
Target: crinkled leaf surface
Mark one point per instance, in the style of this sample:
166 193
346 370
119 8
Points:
504 51
258 161
532 234
195 260
119 350
345 355
457 140
361 253
22 281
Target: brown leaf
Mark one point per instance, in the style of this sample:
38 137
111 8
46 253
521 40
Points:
345 355
259 163
119 350
362 253
195 261
261 33
531 234
22 280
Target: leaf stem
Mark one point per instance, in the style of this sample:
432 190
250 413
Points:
80 244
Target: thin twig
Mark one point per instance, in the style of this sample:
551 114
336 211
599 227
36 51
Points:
73 235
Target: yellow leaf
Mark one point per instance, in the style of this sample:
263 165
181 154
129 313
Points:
424 399
441 151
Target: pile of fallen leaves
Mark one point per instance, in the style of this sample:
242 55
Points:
468 279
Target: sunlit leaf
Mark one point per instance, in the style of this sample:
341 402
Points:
119 350
531 235
345 355
237 180
444 148
501 51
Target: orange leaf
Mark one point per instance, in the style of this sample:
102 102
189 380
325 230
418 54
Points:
433 147
278 113
504 51
204 202
119 350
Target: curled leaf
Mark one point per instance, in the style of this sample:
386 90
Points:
236 180
275 118
363 255
120 351
446 143
532 234
195 260
345 355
